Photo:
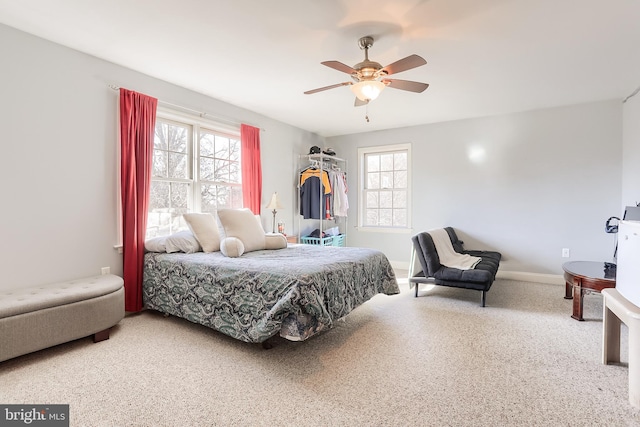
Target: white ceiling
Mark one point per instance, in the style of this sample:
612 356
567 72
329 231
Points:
484 57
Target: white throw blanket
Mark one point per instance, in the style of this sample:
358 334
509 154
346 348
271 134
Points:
449 257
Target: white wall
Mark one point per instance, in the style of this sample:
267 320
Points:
631 153
58 174
549 180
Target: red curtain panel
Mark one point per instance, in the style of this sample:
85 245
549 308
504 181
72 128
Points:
137 127
251 168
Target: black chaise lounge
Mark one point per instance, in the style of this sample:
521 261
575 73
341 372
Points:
479 278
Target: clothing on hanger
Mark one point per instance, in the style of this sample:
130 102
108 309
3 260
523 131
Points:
315 192
340 202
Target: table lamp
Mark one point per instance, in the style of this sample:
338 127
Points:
274 204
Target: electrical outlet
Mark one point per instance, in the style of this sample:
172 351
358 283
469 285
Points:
106 270
565 252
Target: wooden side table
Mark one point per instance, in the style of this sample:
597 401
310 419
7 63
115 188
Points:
582 277
292 239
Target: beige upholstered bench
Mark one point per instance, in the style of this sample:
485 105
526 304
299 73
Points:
38 317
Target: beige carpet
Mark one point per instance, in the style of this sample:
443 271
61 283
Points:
437 360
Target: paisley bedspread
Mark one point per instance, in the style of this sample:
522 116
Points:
296 292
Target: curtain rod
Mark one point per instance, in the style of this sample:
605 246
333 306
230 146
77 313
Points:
202 114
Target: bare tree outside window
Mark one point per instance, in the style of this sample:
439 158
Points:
220 178
194 169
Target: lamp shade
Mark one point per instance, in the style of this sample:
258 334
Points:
367 90
274 203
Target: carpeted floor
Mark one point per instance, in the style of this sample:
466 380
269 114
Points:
436 360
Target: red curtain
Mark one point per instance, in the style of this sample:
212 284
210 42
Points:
251 168
137 127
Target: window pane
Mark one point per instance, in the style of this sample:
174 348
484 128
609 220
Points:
400 161
386 162
373 163
220 197
234 150
179 197
373 180
208 198
385 217
178 165
400 199
222 147
206 145
386 199
372 199
223 197
167 202
160 160
371 218
400 179
386 180
236 197
234 172
161 137
221 170
206 169
178 138
399 217
158 195
219 165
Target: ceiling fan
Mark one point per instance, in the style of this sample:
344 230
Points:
369 77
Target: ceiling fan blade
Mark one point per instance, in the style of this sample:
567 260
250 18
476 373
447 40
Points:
404 64
337 65
359 102
320 89
406 85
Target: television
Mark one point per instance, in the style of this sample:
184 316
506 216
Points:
632 213
628 265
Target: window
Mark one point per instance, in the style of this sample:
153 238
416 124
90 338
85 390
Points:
385 186
195 169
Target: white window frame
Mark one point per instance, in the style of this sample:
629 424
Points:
196 124
197 191
362 180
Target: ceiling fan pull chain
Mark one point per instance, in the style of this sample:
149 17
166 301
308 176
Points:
366 114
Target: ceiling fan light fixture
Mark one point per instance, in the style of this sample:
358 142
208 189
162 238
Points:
369 78
367 90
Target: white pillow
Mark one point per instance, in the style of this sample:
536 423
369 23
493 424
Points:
156 244
182 241
231 247
241 223
205 228
259 219
275 241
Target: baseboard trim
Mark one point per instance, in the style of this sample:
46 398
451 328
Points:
399 265
552 279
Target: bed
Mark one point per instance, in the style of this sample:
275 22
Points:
295 292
